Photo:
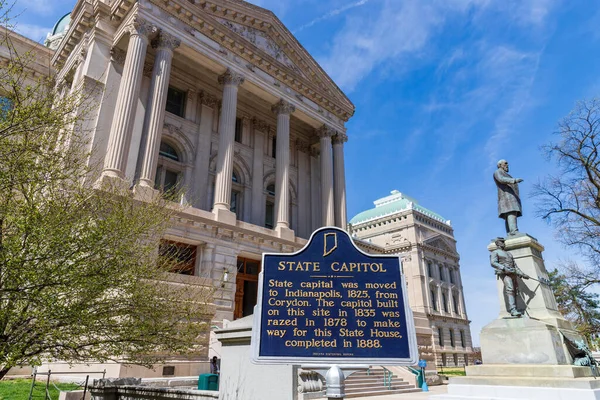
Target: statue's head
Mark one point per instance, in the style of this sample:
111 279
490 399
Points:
499 242
503 164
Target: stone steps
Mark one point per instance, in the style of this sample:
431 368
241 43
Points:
361 384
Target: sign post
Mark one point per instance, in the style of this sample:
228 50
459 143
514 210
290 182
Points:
332 304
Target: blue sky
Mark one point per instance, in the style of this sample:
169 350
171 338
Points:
443 89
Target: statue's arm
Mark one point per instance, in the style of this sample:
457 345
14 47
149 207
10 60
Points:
506 179
495 261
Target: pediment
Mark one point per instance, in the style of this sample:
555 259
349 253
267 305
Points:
440 243
265 43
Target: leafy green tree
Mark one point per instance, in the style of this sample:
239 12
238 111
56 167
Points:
81 277
577 305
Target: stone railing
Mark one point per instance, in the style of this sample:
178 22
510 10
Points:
131 389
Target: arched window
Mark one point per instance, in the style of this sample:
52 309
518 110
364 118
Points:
169 170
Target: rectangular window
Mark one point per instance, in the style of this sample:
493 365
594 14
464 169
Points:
235 199
239 126
180 258
433 300
451 338
455 302
274 147
462 339
429 269
451 273
441 337
176 102
441 271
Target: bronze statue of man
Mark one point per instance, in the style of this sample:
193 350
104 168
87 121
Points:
506 270
509 202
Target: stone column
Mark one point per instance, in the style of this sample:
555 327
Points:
164 44
261 129
304 191
327 209
124 116
315 190
208 103
282 169
339 180
230 81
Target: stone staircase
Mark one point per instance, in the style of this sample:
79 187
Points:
361 384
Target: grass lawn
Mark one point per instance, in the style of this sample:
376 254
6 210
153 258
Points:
18 389
460 371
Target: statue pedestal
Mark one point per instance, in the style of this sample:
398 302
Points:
526 358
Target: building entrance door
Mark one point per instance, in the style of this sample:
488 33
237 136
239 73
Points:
246 290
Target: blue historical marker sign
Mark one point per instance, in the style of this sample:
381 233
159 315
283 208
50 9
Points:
332 303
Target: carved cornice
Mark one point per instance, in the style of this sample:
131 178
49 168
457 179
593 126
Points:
325 131
283 107
141 27
208 99
261 125
340 138
165 40
117 56
231 78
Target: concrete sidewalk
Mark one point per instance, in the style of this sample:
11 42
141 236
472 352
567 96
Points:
441 389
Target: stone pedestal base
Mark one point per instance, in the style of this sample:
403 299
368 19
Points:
523 341
285 233
145 193
225 216
523 382
111 183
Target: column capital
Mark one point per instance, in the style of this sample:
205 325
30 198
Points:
325 131
283 107
141 27
208 99
231 78
340 138
165 40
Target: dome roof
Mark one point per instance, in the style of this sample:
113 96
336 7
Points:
62 24
393 204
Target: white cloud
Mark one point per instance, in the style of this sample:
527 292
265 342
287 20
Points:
397 32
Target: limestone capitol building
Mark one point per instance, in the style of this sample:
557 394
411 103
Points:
218 99
424 240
